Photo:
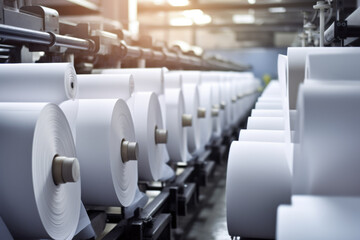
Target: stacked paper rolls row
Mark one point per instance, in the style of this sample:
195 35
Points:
83 124
260 160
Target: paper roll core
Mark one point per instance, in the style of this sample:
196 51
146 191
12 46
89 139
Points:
129 151
65 169
214 112
239 96
201 112
233 99
186 120
161 136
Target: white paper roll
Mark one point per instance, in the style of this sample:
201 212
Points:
32 206
105 86
205 95
146 114
101 126
262 135
193 77
267 113
332 66
191 97
177 138
173 80
296 65
37 82
326 156
319 217
265 123
265 105
146 79
258 181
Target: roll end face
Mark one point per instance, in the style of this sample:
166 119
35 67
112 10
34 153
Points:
161 136
65 170
186 120
129 151
201 112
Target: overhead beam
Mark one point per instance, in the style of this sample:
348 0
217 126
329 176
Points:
224 6
274 27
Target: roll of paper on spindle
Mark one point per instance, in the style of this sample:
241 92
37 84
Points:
266 123
33 136
258 181
37 82
105 86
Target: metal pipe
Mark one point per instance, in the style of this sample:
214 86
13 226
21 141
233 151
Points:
44 38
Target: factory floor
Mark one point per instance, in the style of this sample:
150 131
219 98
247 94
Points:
209 218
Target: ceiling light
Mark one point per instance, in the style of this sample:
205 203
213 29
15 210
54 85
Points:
192 13
243 18
181 21
277 10
202 19
178 3
251 1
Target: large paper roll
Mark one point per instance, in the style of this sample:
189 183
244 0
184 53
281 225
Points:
269 105
146 79
214 81
105 86
101 127
262 135
146 114
173 80
32 136
265 123
332 66
37 82
205 94
193 77
296 66
177 138
319 217
326 157
258 181
267 113
191 97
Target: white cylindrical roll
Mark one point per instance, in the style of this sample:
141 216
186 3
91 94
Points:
146 114
101 126
193 77
319 217
32 206
205 94
266 105
258 181
37 82
332 66
173 80
262 135
265 123
146 79
267 113
191 97
217 126
105 86
296 66
326 154
177 138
